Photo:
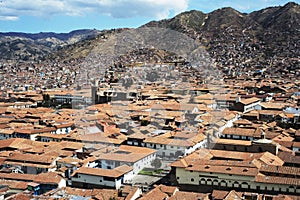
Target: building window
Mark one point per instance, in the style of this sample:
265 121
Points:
192 179
258 188
177 178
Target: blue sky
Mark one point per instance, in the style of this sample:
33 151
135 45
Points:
67 15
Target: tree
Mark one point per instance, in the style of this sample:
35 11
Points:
156 163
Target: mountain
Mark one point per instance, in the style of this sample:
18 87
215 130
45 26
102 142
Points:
278 18
239 39
26 46
280 29
268 37
191 19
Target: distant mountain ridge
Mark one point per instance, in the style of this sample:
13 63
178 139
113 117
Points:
43 35
18 45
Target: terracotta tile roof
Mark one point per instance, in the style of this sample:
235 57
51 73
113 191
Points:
48 178
185 134
229 116
280 170
247 164
269 112
205 96
7 131
21 185
252 113
69 160
20 196
277 180
18 143
170 190
188 196
228 158
70 145
126 153
115 173
168 141
270 159
233 142
42 166
287 144
296 144
63 125
155 194
53 136
99 138
241 131
30 158
289 157
241 171
95 193
233 155
138 135
34 131
270 105
219 194
184 139
250 100
17 177
242 122
233 195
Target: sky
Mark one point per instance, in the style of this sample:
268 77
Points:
33 16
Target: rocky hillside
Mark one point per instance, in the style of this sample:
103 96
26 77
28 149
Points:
235 39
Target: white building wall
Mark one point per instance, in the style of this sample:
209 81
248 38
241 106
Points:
96 180
253 106
195 147
137 166
226 180
63 130
33 136
166 150
128 177
170 150
62 183
228 124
